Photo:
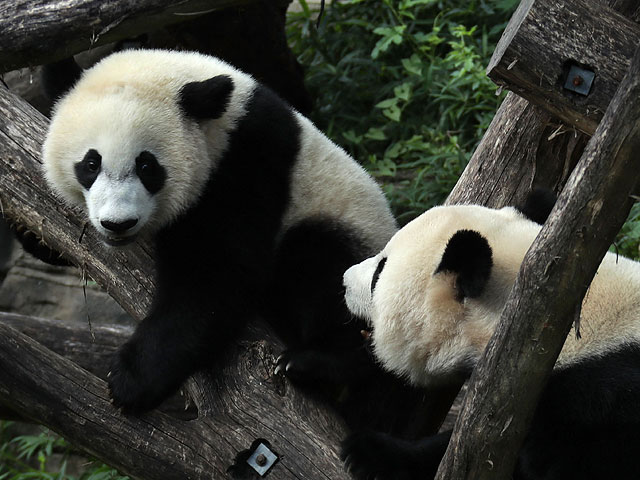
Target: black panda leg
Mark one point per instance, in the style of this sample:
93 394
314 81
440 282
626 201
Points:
328 355
377 455
307 300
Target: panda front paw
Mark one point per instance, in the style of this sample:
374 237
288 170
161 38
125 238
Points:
373 455
135 385
301 366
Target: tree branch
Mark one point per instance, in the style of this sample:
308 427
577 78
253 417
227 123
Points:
54 391
49 30
547 295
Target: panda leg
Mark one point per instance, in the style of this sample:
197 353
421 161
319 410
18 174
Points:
377 455
188 328
307 303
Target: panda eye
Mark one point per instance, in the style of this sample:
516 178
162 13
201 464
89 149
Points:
151 173
92 165
87 170
376 274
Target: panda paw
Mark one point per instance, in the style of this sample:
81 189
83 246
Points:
372 455
133 388
301 365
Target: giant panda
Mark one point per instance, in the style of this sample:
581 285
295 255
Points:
251 211
432 298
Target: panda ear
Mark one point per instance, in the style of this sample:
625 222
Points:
206 100
469 256
538 205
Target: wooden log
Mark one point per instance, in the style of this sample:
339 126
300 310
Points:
250 404
545 37
547 296
89 348
48 30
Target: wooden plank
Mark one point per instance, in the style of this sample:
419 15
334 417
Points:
545 37
43 31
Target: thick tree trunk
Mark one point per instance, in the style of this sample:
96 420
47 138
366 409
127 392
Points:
547 295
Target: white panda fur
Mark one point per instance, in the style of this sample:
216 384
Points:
242 187
143 80
422 330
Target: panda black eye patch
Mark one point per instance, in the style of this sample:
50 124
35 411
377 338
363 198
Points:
150 172
376 274
88 169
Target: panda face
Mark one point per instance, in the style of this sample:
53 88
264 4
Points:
433 295
127 156
120 196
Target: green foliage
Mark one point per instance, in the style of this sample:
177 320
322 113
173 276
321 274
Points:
28 457
628 240
402 86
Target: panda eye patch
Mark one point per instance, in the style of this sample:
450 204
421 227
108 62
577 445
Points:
151 173
376 274
88 169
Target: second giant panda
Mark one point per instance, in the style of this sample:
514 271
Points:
433 297
251 209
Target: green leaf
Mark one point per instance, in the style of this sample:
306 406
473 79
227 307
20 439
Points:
375 134
388 103
392 113
403 91
412 64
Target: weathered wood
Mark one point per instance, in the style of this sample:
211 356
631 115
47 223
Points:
91 349
547 295
522 148
236 407
54 391
544 37
44 31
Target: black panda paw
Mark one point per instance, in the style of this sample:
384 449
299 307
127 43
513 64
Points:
133 388
372 455
301 366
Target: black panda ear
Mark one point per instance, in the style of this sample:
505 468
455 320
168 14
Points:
469 256
206 100
538 205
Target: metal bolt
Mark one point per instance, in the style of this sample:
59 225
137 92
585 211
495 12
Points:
578 80
261 460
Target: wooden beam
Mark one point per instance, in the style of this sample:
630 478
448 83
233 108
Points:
37 32
547 296
544 38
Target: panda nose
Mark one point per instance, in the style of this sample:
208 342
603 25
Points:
119 227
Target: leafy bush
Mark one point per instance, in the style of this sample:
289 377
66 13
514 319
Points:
28 457
628 240
402 86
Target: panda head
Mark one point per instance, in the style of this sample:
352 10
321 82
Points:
432 297
126 144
